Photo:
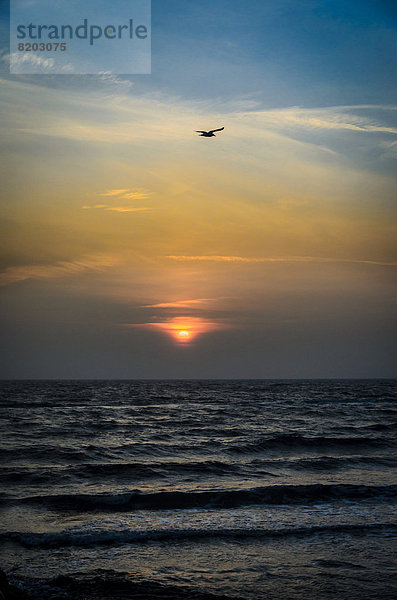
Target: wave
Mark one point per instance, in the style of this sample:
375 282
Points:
46 451
78 452
156 469
334 463
294 442
105 583
164 470
57 454
41 475
273 495
336 564
120 537
282 442
382 426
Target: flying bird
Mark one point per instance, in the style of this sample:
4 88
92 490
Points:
209 133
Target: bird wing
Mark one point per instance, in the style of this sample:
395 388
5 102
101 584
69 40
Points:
212 130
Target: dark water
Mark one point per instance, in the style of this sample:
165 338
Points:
248 489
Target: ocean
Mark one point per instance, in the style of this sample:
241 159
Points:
249 489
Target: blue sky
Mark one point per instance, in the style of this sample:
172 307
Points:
311 53
279 52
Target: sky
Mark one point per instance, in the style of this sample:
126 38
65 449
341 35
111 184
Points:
133 248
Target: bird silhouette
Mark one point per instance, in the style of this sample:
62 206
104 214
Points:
209 133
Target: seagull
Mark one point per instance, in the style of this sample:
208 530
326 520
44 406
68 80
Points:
209 133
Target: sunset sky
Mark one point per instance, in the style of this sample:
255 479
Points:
272 246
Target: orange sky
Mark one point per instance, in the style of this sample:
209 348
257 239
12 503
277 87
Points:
112 202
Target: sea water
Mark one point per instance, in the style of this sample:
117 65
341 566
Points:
246 489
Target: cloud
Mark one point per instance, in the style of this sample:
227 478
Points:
197 303
118 84
281 259
118 208
20 62
121 209
94 116
121 194
127 194
328 118
113 192
60 269
136 195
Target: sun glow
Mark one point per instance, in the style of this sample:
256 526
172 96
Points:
184 329
183 335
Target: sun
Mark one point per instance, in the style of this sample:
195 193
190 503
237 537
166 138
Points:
184 330
183 335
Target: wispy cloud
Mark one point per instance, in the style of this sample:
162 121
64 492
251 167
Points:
197 303
166 120
280 259
114 192
20 63
136 195
362 119
128 209
127 194
117 195
121 209
118 84
58 270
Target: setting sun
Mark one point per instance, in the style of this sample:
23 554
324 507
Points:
183 335
184 329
